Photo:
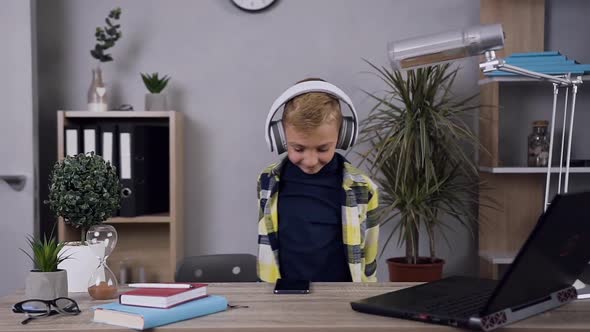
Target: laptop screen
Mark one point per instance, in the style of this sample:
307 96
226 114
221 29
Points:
553 256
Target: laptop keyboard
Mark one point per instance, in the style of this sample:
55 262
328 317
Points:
467 305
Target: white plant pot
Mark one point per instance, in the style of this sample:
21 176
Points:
80 266
156 102
46 285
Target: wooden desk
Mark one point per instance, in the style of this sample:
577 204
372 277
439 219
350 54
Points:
326 309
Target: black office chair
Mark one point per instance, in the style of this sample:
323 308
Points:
217 268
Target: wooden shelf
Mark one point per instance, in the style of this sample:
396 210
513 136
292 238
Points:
530 170
154 242
157 218
119 114
513 200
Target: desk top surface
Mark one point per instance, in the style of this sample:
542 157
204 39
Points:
327 308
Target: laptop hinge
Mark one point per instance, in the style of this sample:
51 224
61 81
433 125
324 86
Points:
508 316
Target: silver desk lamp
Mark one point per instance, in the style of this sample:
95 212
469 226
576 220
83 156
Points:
485 40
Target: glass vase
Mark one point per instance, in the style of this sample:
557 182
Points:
538 145
97 92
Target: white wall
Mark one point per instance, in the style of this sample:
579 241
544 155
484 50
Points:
17 141
227 67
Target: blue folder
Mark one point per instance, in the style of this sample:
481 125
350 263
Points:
549 62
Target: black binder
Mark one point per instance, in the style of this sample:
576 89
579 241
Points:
73 140
144 169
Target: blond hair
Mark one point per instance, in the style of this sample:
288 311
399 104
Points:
310 110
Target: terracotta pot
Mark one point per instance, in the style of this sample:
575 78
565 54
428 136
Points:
425 270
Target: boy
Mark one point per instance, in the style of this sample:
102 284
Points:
316 211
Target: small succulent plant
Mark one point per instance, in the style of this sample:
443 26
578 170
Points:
46 253
153 83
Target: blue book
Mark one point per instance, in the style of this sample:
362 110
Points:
141 318
531 54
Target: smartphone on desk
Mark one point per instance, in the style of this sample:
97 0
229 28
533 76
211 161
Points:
288 286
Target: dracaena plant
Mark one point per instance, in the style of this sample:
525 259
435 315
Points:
414 141
46 253
84 190
154 83
107 36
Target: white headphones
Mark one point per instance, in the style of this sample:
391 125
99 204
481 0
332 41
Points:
274 131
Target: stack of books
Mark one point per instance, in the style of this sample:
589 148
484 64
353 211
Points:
152 305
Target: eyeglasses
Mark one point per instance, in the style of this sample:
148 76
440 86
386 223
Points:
36 308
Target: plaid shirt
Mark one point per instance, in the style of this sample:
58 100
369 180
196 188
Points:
360 228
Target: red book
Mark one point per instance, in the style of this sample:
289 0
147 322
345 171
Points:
162 297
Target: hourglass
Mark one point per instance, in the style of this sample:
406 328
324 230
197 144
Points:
102 240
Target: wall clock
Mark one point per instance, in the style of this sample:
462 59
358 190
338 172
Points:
253 5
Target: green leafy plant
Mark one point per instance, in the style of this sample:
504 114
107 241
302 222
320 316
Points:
415 138
46 253
84 191
153 83
107 36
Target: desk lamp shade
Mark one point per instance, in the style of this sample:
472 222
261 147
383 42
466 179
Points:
445 46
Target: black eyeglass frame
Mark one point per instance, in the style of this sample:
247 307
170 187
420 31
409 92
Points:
18 308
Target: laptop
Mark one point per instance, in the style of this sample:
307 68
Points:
540 278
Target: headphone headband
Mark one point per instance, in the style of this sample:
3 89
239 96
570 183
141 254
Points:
306 87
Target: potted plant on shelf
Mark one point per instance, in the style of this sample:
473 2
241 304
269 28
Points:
84 191
106 37
155 100
414 139
46 281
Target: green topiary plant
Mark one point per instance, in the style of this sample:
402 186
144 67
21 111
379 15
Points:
84 191
153 83
46 253
107 36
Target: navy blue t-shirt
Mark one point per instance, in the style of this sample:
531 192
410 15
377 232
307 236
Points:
310 223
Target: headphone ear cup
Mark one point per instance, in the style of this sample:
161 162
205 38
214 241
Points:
346 133
277 137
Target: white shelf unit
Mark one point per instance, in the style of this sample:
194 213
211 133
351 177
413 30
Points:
498 258
531 170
